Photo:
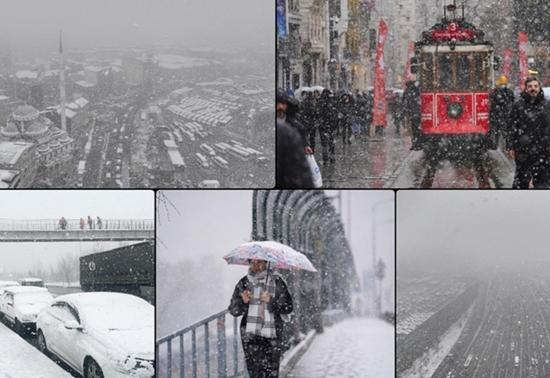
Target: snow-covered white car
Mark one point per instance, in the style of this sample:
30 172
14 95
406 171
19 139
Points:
20 305
100 334
4 284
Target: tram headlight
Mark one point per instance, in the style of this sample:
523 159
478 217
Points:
454 110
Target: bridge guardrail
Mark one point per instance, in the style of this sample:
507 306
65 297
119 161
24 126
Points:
194 352
75 225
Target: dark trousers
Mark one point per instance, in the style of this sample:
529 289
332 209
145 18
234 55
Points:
415 131
531 167
346 132
327 144
311 136
262 356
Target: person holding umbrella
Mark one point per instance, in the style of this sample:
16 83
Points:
263 299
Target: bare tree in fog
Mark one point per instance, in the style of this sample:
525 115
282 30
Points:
68 268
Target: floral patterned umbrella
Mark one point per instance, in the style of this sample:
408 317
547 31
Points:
279 256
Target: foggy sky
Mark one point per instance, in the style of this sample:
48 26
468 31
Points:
72 204
472 228
92 23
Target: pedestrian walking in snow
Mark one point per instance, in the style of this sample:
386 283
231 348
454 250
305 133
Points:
327 123
529 138
292 167
411 108
262 298
90 223
99 223
346 116
501 100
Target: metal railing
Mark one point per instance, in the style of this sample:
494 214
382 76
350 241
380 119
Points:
75 225
196 350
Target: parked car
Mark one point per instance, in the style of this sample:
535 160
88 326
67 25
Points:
100 334
31 281
20 306
4 284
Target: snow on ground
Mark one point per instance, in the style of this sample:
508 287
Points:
426 365
357 347
19 359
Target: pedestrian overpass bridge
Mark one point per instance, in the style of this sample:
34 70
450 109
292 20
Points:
50 230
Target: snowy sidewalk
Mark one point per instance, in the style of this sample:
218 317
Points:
19 359
353 348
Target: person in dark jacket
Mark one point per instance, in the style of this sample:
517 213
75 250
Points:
396 109
411 108
292 167
501 100
327 123
346 113
308 117
529 137
262 299
369 104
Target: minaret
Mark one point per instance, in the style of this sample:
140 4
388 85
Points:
62 85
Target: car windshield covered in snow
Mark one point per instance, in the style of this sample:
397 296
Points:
114 311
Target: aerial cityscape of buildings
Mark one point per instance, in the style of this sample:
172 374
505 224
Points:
136 117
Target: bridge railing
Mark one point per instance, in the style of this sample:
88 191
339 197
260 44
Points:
195 351
75 225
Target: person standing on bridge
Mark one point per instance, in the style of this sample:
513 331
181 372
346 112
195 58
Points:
262 298
529 137
90 223
99 223
82 223
63 223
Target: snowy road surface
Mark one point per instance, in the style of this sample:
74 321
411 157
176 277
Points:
353 348
19 359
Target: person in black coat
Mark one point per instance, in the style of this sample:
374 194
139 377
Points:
529 137
411 108
346 113
397 112
261 335
327 123
292 167
501 100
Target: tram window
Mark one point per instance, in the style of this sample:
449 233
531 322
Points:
426 73
480 72
445 72
463 71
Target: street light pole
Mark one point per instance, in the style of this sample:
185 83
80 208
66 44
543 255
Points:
374 207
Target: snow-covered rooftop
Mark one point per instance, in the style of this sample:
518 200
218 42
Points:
26 74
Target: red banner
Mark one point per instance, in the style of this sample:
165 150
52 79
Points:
408 76
380 106
523 67
507 63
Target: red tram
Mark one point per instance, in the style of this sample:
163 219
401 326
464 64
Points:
455 69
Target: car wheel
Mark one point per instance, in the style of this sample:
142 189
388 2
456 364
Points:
92 369
42 346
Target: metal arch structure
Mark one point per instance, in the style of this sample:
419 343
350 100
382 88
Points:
307 221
